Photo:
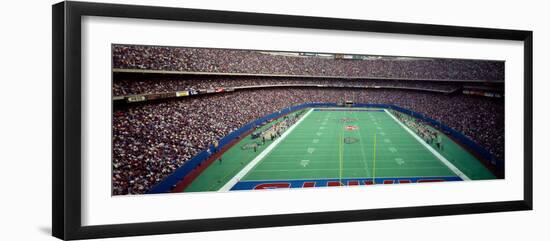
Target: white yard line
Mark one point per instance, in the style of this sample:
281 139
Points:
258 158
430 148
363 150
353 178
350 168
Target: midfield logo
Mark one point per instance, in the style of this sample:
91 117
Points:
352 128
350 140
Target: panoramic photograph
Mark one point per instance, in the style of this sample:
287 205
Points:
190 119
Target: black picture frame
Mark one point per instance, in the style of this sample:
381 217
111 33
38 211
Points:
66 127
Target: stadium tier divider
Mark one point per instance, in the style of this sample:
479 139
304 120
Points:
168 183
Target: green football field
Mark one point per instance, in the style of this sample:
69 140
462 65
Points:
339 146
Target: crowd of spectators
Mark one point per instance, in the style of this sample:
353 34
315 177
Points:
261 62
124 87
152 139
421 128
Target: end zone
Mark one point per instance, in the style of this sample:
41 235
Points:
307 183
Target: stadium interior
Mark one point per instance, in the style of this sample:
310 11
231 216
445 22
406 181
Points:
172 103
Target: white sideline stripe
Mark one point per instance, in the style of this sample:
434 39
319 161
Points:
352 168
430 148
329 178
258 158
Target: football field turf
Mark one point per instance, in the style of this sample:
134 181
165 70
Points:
339 146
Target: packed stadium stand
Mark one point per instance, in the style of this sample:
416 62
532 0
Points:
162 119
272 63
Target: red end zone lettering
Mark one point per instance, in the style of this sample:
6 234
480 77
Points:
368 182
275 184
272 185
430 180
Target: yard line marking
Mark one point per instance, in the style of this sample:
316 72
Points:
261 156
363 153
374 160
355 161
399 161
341 154
331 178
380 145
439 167
434 152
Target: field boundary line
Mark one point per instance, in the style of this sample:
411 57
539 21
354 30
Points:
329 178
229 184
352 168
444 160
353 162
